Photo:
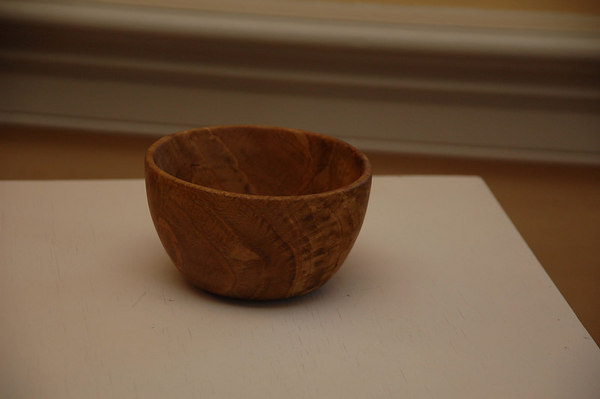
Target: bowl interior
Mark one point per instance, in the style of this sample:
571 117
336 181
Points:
260 160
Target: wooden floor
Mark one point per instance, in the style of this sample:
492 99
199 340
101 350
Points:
555 207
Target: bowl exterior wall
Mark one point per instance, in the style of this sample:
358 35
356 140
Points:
255 247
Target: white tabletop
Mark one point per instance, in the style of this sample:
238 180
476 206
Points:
440 298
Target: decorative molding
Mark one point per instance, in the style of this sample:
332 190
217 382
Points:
434 88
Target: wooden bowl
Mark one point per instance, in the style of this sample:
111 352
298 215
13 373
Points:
256 212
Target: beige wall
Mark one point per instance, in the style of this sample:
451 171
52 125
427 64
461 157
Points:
561 6
566 6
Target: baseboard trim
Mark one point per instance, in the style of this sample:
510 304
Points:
425 87
105 126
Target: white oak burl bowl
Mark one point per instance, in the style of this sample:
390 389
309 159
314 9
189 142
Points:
256 212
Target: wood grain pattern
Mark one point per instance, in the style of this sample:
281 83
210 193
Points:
256 212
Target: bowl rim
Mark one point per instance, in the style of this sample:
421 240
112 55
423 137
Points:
364 177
